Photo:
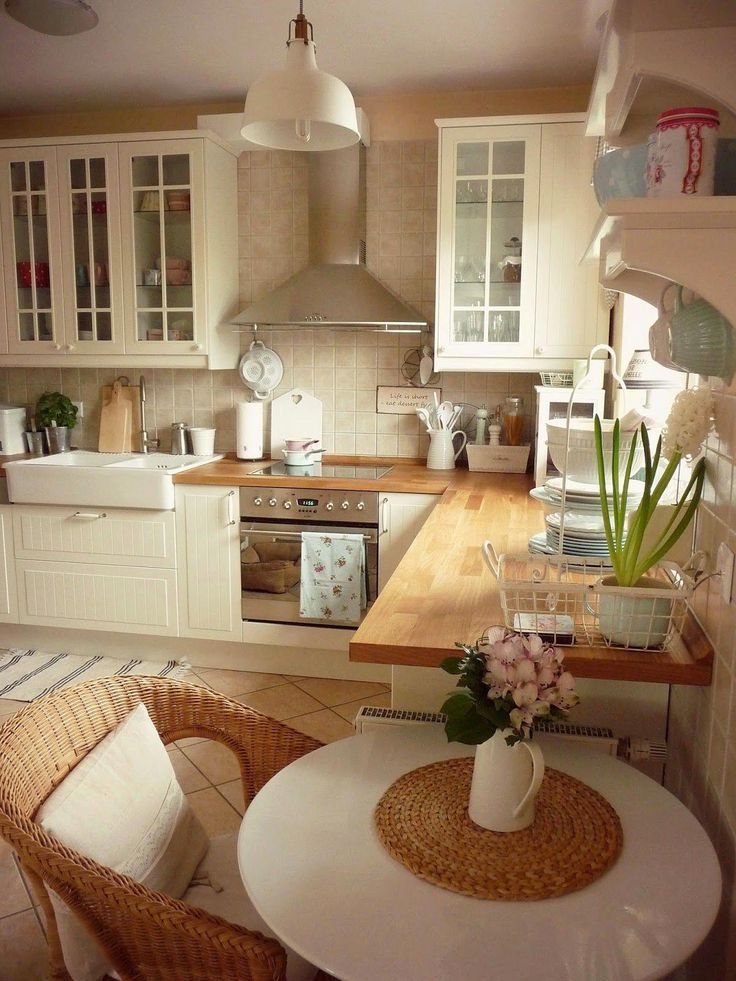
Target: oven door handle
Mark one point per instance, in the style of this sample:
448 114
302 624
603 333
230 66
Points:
370 539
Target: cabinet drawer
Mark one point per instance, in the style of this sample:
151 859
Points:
97 597
117 537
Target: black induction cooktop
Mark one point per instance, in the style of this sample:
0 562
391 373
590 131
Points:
322 470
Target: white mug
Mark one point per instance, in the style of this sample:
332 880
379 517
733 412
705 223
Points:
442 453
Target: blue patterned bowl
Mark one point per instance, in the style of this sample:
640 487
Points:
621 173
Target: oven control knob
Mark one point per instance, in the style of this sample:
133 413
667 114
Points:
287 504
345 505
329 506
360 506
258 501
273 502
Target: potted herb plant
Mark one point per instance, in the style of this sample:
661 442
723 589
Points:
57 414
506 681
640 620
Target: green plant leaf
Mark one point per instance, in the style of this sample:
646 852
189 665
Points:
602 487
470 731
452 665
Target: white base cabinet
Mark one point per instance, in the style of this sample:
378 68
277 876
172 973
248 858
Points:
208 545
8 598
400 516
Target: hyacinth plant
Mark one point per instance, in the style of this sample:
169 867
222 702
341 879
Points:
507 681
687 426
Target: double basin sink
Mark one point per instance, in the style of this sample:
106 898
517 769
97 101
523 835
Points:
85 478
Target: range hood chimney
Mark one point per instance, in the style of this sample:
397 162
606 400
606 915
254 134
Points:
336 289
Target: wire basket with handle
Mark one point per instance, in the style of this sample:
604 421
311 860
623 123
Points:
567 599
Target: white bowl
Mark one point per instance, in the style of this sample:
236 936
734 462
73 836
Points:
581 463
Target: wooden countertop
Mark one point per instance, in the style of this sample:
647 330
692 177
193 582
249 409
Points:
442 592
407 476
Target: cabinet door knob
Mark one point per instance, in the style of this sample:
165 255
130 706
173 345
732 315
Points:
57 347
540 350
440 350
70 347
196 347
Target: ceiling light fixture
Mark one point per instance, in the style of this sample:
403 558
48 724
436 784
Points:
57 17
300 107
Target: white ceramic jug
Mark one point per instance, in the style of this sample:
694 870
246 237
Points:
442 453
506 781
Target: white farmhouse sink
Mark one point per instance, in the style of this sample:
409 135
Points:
113 480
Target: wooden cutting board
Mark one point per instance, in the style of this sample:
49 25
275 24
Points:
119 419
296 414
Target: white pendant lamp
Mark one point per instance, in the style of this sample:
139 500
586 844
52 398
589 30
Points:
300 107
56 17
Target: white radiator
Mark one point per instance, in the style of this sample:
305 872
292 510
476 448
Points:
597 738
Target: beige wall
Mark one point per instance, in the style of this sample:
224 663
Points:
392 117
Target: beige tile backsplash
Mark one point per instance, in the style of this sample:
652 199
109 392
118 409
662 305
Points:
342 368
701 769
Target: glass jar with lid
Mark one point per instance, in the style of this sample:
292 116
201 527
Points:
513 420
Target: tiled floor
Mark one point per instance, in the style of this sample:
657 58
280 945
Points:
208 774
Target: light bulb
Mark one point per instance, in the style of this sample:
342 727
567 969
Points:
303 128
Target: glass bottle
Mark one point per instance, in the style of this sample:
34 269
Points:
513 420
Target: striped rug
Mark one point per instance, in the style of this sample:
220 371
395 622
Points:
26 675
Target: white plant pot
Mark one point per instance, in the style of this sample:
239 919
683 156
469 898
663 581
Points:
506 780
635 621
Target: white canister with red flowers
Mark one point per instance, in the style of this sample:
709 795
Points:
682 152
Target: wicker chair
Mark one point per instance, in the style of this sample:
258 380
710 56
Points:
147 935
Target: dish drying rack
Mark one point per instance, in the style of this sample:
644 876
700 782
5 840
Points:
563 597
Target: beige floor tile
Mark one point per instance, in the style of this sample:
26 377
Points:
323 725
23 951
9 706
330 691
189 741
349 709
189 777
13 895
238 682
214 760
216 815
233 793
280 703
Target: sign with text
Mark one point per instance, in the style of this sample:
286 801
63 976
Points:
404 400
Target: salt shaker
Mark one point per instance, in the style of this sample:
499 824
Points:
494 430
178 437
480 426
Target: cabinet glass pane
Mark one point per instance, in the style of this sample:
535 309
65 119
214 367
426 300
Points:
175 168
468 326
508 157
145 171
503 327
472 158
91 236
30 250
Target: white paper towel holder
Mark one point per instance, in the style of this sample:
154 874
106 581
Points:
249 430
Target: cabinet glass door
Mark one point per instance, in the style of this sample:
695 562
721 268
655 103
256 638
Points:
489 197
89 204
33 288
163 205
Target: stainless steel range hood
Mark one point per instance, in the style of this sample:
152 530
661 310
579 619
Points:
336 289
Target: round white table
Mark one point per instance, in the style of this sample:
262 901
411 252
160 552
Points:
315 870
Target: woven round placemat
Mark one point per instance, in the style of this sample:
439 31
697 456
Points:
422 820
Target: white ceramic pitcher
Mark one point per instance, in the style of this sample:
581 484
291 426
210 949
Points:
442 453
506 781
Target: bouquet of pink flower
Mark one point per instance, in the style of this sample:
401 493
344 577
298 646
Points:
508 680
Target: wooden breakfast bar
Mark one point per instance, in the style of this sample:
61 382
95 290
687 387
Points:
442 592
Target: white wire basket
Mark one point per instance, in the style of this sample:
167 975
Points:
556 379
565 599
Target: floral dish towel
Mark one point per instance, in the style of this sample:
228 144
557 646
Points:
333 577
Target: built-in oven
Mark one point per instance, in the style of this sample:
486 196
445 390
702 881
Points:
272 520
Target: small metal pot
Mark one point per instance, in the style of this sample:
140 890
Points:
59 439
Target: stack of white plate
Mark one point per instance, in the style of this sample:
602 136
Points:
587 496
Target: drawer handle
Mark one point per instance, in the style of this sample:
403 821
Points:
89 515
231 518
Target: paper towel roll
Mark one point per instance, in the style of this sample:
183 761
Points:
249 430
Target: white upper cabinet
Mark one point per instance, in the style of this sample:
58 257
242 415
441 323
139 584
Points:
515 211
120 252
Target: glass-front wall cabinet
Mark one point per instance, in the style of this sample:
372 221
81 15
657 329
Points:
88 178
32 257
162 208
489 190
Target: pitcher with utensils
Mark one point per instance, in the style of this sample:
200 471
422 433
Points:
439 419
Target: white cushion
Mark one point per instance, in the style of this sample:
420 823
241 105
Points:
220 864
123 807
